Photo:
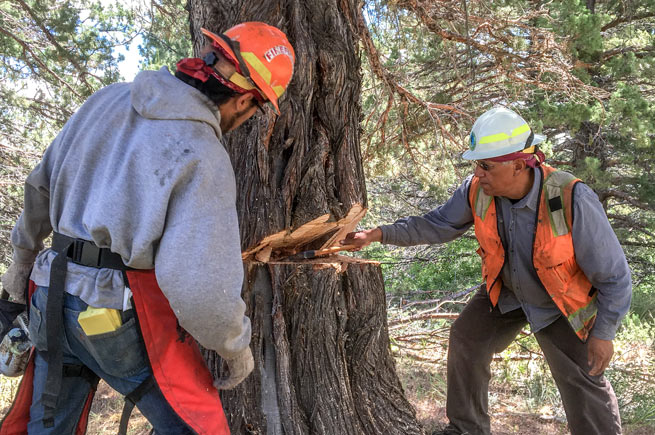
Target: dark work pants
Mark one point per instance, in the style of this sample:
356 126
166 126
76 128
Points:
479 332
117 357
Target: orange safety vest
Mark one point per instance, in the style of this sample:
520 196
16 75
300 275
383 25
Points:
177 365
553 256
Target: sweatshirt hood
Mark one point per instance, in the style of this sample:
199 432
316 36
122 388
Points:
161 95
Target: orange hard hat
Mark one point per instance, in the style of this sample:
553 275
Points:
262 54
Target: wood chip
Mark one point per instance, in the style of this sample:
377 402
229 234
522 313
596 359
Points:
291 242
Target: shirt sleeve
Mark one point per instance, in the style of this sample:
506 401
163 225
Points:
600 256
33 224
198 262
443 224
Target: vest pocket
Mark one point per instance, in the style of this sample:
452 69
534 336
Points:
554 252
555 264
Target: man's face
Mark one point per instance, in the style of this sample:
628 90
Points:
238 109
496 178
230 120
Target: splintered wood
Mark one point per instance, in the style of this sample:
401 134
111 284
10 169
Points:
289 242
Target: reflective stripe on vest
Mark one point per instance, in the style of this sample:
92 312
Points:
482 203
584 315
554 192
486 231
553 253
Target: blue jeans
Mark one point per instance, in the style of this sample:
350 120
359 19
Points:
118 357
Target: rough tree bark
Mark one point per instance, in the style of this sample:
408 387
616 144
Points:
320 340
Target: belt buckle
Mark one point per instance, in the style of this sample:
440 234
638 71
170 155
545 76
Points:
85 253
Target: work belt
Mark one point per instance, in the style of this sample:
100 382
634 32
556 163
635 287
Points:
86 253
80 252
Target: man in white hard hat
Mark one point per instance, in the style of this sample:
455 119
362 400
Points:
549 259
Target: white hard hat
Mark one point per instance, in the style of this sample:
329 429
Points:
497 132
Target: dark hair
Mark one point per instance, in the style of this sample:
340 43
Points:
212 88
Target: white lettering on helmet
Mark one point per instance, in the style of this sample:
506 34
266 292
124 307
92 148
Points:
276 51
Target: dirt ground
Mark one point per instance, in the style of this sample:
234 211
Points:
425 389
105 415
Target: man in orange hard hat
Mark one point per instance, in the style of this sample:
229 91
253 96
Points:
145 263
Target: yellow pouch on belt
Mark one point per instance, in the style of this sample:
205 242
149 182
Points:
96 321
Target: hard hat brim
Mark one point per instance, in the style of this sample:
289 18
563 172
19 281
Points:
538 138
489 154
266 89
219 41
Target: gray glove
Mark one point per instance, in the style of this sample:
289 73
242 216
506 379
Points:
14 281
239 367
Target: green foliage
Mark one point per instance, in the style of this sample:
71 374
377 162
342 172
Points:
643 299
566 114
454 268
583 28
165 34
637 328
633 114
63 49
631 374
54 55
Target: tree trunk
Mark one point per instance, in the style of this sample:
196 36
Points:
320 342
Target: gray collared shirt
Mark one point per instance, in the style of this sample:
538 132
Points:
597 251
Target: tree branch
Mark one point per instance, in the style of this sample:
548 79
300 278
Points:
27 48
603 195
638 226
626 19
54 42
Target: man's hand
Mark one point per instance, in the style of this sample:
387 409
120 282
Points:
239 367
362 239
14 281
599 355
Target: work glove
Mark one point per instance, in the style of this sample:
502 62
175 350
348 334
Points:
15 348
239 368
14 281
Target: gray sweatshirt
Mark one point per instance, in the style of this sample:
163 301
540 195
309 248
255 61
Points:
139 169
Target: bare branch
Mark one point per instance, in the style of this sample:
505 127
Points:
624 196
626 19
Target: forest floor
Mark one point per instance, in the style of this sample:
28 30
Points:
105 414
510 414
424 386
523 399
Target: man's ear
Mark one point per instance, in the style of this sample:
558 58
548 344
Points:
244 101
519 166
